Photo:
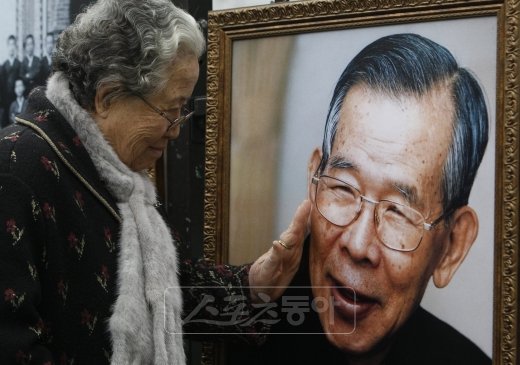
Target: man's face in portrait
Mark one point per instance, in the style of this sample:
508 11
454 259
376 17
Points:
19 88
49 44
11 47
389 148
29 46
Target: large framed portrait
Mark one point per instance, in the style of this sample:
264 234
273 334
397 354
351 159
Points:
271 75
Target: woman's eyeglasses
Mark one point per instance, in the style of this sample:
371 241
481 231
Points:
172 122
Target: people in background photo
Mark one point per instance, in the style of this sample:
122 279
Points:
3 95
46 60
11 71
86 258
19 104
406 131
30 70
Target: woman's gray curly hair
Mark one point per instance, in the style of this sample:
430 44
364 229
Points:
126 44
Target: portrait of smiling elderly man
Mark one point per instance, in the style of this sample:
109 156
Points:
405 133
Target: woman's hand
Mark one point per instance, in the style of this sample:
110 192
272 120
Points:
273 271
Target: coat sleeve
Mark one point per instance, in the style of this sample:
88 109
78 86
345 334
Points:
217 304
23 332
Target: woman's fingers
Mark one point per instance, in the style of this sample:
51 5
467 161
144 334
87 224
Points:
274 270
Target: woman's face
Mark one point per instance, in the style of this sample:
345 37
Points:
138 134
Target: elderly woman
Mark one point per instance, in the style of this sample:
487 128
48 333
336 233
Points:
85 258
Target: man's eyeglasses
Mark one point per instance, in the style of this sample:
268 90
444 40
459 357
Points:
398 226
172 122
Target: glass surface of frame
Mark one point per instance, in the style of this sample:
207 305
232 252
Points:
271 73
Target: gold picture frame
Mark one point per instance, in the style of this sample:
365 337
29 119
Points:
237 38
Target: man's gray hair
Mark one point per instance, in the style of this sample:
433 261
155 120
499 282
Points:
126 44
409 64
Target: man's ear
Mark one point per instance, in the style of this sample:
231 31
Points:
458 241
312 167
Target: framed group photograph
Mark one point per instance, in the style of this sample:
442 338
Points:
272 72
29 31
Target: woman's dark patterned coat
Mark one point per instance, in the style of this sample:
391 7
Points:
59 247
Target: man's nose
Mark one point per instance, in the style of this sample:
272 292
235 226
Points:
359 238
